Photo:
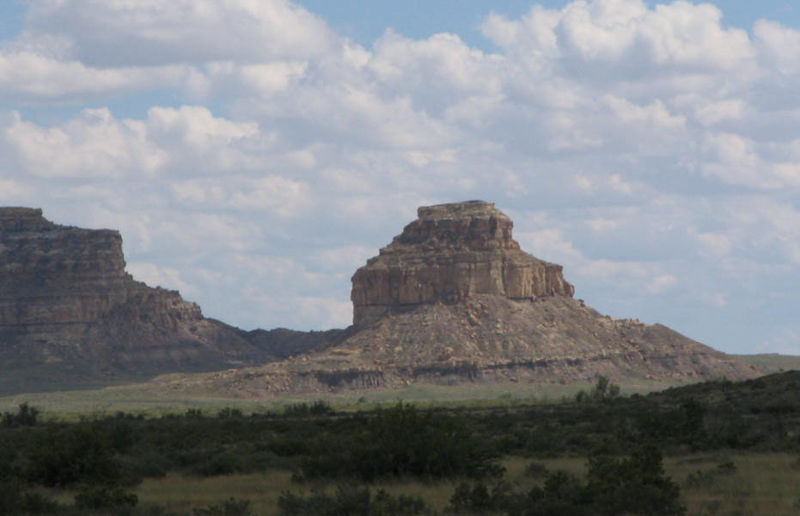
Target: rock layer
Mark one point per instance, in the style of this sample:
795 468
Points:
450 253
70 316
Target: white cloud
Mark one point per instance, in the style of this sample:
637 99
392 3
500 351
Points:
30 76
152 32
738 160
627 37
92 145
779 44
275 194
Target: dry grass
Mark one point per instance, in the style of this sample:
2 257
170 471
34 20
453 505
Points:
762 484
181 493
147 400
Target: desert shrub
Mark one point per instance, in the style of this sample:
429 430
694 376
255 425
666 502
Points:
636 485
318 408
603 391
228 413
15 500
613 486
25 416
704 478
350 500
230 507
402 441
97 497
66 455
478 498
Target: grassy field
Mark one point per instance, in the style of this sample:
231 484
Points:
772 362
757 484
144 399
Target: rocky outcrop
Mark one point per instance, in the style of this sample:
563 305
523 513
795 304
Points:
451 253
453 300
70 316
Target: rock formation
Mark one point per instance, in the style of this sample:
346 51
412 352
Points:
70 316
454 300
450 253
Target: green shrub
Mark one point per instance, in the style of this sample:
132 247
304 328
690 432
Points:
350 501
25 416
636 485
402 441
73 454
479 499
97 497
230 507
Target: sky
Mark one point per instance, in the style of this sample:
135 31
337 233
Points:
255 153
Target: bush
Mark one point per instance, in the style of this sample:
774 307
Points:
350 500
479 499
701 478
25 416
633 486
603 391
94 497
72 454
318 408
230 507
402 441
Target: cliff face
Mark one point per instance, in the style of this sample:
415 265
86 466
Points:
52 274
70 316
450 253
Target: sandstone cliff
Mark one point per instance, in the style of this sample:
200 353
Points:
454 300
451 253
70 316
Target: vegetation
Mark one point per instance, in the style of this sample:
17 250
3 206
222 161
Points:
452 460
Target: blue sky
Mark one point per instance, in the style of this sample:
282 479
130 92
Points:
366 21
254 154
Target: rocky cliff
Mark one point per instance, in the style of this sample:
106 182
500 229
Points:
70 316
453 300
451 253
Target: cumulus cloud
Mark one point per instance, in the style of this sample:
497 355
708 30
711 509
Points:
93 145
151 32
651 150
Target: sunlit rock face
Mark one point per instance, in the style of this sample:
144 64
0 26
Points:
450 253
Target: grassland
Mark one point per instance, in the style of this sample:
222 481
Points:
759 484
146 399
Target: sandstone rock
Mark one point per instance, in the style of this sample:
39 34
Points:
70 316
451 252
453 300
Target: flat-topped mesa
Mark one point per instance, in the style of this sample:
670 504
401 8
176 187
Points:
71 315
58 274
23 219
451 252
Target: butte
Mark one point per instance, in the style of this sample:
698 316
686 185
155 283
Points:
454 300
